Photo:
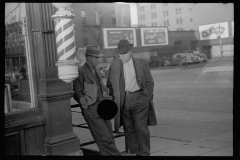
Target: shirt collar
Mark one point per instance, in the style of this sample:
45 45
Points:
129 62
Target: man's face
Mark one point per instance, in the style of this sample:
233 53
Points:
94 60
125 57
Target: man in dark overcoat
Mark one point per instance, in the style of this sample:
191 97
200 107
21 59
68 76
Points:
131 85
89 92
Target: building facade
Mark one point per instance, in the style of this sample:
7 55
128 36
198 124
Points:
189 17
90 18
183 16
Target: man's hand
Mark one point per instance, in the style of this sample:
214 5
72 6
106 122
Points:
83 102
109 97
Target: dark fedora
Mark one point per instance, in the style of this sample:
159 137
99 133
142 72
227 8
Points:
93 51
123 46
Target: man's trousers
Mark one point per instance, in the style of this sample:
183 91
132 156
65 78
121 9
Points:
134 116
101 131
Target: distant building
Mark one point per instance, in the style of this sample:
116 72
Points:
188 17
91 17
183 16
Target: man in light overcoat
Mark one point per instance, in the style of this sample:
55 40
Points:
131 85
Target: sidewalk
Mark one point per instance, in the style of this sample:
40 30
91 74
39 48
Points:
215 65
173 139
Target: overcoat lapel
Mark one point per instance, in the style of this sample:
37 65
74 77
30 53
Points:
122 85
88 73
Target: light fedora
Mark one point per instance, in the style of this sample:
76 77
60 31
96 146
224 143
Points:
123 47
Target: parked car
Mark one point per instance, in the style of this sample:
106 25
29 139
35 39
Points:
203 57
185 58
156 61
173 61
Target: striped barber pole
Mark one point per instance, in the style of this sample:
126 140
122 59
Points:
65 39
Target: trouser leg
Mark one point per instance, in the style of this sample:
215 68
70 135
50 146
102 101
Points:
101 131
135 115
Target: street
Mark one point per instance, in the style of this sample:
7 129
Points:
192 106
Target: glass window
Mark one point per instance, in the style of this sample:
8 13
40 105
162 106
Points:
19 91
177 20
163 13
99 18
113 17
166 13
83 16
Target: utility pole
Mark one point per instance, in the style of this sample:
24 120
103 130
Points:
220 42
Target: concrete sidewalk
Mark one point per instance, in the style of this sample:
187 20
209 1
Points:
215 65
173 138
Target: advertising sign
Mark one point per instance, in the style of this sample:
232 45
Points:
111 36
212 31
154 36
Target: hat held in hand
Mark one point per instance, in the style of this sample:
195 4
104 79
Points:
123 47
93 51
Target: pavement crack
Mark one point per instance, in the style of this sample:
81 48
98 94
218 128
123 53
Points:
172 139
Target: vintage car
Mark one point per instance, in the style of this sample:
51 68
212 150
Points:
173 61
186 58
203 57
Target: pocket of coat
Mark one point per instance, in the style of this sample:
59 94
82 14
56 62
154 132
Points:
142 99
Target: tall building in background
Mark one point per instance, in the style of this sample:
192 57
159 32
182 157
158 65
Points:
183 16
123 15
91 17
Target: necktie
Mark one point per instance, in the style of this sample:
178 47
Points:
99 80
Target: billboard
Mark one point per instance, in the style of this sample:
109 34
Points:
151 36
211 31
111 36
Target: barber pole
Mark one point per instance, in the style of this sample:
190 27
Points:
65 40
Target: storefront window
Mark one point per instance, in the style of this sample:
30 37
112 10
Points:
18 74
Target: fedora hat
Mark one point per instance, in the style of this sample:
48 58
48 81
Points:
93 51
123 46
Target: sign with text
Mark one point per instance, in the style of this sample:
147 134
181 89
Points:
154 36
111 36
212 31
